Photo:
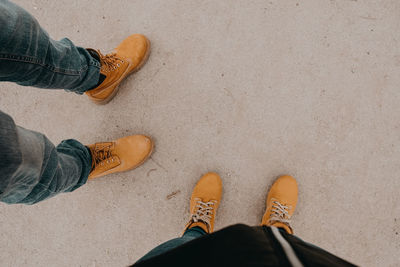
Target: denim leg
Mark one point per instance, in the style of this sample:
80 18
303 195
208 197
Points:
189 235
28 56
32 169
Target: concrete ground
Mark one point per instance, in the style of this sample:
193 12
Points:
249 89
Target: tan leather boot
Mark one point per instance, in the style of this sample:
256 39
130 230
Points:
127 58
120 155
281 203
204 202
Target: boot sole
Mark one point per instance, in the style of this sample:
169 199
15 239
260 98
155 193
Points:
116 89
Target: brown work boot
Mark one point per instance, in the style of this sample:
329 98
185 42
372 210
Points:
281 203
204 202
127 58
120 155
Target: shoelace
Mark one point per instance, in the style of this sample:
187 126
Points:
101 156
203 212
110 61
279 213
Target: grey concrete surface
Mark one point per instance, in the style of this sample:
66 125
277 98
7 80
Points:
250 89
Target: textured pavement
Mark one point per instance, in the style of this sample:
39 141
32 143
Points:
249 89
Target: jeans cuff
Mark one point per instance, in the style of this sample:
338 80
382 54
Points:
196 229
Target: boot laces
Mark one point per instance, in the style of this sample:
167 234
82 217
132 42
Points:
279 213
109 61
102 156
203 212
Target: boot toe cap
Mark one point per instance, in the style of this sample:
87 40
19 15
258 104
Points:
134 47
134 150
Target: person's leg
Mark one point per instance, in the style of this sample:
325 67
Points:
32 169
28 56
189 235
204 203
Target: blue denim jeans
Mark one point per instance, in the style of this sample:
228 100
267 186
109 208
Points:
189 235
31 167
28 56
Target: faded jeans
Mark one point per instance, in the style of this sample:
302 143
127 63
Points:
31 167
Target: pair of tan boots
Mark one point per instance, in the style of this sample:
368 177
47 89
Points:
131 151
